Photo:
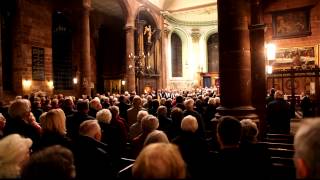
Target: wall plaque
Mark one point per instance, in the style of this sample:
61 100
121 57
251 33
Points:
38 63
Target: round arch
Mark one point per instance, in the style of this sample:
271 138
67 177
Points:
149 12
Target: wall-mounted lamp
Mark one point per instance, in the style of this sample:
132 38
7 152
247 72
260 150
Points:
123 82
26 84
271 51
75 80
50 84
269 69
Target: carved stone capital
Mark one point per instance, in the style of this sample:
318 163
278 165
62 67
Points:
195 34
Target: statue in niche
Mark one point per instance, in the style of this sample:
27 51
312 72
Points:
148 31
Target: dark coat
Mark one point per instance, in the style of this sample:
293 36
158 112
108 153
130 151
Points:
194 151
92 160
73 123
278 116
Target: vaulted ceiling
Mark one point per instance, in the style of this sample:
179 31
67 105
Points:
184 10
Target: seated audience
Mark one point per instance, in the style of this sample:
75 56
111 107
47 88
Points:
22 121
94 107
148 124
232 162
165 123
54 162
257 154
54 130
189 110
73 121
278 114
156 136
2 125
14 153
159 161
133 111
193 148
307 148
91 156
135 129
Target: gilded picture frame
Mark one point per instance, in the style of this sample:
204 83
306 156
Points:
291 23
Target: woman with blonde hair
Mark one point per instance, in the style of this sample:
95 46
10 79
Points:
159 161
14 153
53 129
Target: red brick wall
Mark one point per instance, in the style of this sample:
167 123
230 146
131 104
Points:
312 40
32 27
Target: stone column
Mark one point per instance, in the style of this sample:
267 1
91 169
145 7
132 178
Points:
164 61
85 63
234 55
258 74
195 35
130 66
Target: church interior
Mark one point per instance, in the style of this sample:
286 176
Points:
237 50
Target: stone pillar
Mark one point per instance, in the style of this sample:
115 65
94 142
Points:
258 74
234 55
164 61
140 25
195 35
130 66
85 63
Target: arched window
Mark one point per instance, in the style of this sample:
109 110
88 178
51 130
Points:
213 53
176 55
61 52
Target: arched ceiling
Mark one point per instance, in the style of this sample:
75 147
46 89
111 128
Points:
182 10
176 5
110 7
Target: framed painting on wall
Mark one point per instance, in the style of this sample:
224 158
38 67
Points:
304 57
291 23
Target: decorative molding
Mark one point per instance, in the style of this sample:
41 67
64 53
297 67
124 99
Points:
166 15
194 7
195 34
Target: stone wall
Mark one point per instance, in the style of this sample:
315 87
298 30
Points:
32 27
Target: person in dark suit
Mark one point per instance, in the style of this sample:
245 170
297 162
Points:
92 159
278 114
193 148
73 121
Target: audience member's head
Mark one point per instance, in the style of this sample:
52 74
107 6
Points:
162 111
189 124
95 104
83 106
104 116
114 111
149 123
307 149
188 103
54 162
159 161
136 102
14 153
141 114
249 131
54 121
156 136
90 128
20 109
2 121
229 132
